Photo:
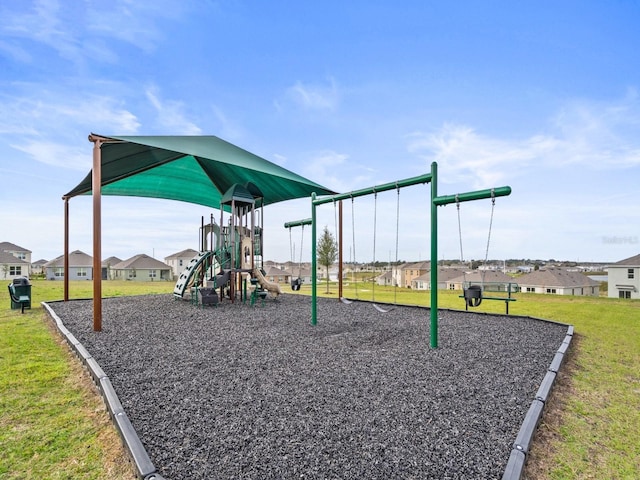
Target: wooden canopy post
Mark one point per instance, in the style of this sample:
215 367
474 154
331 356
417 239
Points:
96 186
66 249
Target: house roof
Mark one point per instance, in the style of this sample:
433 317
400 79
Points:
8 258
42 261
110 262
485 276
416 266
444 275
141 261
77 258
630 262
296 272
556 277
275 271
12 247
189 252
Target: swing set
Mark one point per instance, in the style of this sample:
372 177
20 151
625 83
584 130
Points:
353 231
474 294
435 202
297 282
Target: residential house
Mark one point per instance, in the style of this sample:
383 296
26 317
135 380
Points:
80 267
179 261
558 281
106 265
385 279
404 274
445 275
12 267
278 275
37 267
303 271
142 268
492 280
15 261
624 278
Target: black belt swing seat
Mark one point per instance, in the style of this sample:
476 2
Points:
296 283
473 295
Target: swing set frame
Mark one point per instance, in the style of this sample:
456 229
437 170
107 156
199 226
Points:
435 202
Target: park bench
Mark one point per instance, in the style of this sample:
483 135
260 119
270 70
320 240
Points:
474 295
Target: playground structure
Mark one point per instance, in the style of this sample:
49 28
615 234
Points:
435 202
231 253
237 256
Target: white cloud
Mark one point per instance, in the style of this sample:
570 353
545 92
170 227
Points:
599 134
78 32
473 158
16 52
315 97
586 134
324 167
46 114
131 22
54 133
171 115
226 127
57 154
46 23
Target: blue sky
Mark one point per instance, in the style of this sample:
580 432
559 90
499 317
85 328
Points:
541 96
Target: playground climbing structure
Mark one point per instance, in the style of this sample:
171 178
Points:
231 251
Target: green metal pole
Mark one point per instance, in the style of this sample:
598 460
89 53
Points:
434 257
298 223
314 280
407 182
469 196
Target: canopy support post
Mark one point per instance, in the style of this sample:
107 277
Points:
66 249
96 185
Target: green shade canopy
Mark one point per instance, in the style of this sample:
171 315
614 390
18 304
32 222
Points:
190 169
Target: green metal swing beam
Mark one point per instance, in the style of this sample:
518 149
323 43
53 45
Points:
298 223
436 202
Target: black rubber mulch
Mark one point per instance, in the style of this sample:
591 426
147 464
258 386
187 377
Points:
256 392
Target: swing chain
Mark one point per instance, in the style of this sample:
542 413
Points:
459 229
300 263
353 237
493 206
291 246
486 253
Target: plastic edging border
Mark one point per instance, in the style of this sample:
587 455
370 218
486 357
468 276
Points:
145 468
520 450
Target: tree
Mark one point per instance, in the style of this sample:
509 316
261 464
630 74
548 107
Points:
327 251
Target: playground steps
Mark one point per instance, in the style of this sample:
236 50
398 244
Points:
189 271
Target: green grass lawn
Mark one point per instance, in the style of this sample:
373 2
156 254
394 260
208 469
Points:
53 425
